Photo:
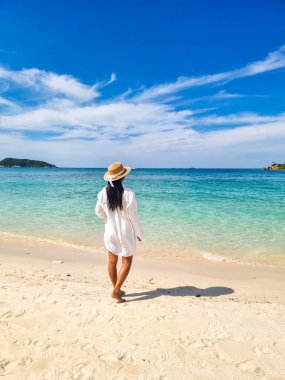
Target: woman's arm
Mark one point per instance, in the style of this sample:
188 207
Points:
99 211
134 219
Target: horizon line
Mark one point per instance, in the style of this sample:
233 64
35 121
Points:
105 168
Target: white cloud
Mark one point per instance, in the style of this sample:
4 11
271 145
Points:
237 119
105 119
139 128
49 83
7 105
253 145
221 95
275 60
225 95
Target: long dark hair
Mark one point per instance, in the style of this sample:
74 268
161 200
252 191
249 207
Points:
115 195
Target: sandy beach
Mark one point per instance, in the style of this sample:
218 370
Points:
183 319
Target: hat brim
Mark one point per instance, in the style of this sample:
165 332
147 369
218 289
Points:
127 169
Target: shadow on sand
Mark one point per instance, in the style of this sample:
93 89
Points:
181 291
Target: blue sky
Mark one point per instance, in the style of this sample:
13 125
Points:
150 83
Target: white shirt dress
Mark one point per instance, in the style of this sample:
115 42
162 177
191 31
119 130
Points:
122 227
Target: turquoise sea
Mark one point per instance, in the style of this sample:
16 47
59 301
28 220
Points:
219 214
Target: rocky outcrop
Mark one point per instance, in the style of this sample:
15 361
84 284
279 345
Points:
275 166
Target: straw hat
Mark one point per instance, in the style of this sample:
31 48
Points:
116 171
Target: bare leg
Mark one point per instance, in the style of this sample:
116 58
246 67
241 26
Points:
112 267
124 271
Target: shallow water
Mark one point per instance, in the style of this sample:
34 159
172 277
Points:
218 214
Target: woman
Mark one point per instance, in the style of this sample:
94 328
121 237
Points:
116 205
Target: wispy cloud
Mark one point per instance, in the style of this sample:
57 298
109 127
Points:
49 83
225 95
275 60
238 119
221 95
8 106
115 118
75 117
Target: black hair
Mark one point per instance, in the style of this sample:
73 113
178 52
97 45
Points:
115 195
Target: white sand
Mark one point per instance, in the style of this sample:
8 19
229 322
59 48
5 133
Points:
57 320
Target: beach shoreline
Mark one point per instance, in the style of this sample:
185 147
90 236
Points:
21 240
182 319
221 215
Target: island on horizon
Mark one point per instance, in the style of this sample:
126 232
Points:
275 166
24 163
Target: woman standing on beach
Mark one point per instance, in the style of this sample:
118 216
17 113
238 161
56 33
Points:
117 206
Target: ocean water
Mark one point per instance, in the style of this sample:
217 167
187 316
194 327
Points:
234 215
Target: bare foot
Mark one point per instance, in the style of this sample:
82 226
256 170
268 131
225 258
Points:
122 293
117 297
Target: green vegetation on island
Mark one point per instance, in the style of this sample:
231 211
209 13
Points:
275 166
24 163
